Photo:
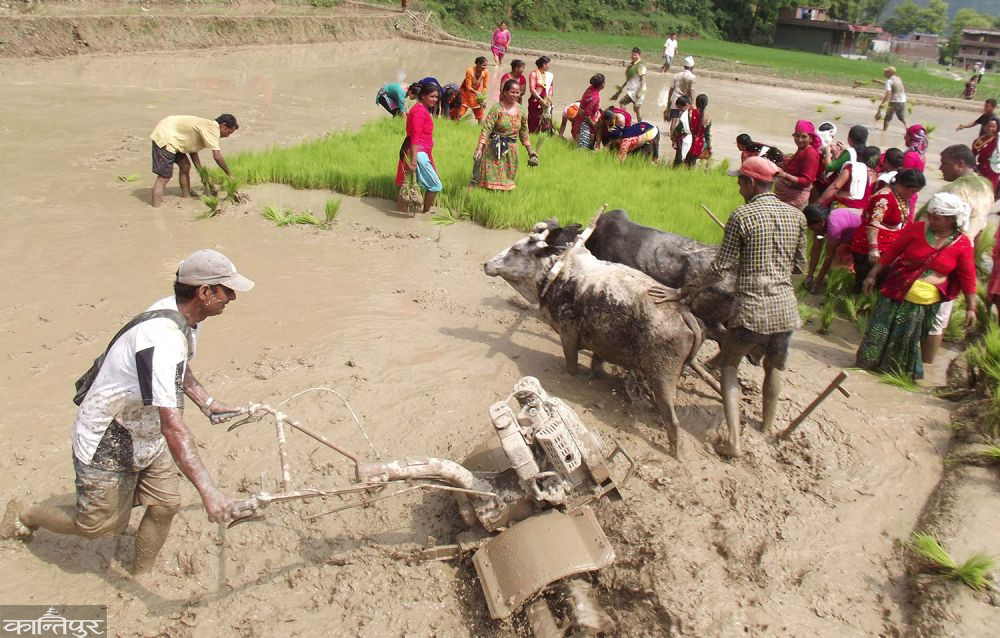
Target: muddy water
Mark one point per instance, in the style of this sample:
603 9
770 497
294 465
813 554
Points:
396 315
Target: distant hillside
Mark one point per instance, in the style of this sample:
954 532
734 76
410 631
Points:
989 7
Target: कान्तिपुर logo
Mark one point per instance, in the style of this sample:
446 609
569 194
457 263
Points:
61 620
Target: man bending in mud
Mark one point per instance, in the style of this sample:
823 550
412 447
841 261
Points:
178 138
130 430
765 240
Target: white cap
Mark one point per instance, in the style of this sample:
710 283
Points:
689 61
210 267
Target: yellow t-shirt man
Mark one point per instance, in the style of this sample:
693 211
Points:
186 134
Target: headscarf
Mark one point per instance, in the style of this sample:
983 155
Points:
916 138
951 205
805 126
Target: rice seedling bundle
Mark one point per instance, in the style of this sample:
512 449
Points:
899 378
570 184
213 204
974 572
826 316
331 210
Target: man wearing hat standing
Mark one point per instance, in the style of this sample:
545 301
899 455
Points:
895 95
130 430
683 86
764 240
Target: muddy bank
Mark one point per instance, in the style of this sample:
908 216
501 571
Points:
396 315
51 36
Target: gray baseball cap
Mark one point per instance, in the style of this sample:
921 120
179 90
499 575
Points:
210 267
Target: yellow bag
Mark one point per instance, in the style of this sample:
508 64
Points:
923 293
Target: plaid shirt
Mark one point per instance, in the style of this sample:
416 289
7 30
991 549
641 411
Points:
764 239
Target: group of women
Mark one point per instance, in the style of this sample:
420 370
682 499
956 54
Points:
860 204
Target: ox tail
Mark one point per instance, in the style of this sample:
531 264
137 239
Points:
695 325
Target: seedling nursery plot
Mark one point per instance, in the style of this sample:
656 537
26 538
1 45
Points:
570 184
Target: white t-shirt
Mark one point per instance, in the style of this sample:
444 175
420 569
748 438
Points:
117 427
895 86
670 47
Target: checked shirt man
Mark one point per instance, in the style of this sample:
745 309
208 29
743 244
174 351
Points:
765 240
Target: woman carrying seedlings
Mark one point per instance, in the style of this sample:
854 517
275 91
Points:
853 186
474 87
833 232
794 181
540 95
883 220
985 149
495 158
585 122
501 40
931 262
516 73
416 156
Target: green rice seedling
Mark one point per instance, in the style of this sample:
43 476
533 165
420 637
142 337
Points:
820 108
128 179
899 378
862 323
991 453
837 101
213 204
827 313
873 98
866 302
443 218
839 282
850 305
984 355
837 118
930 128
331 210
982 248
306 219
974 572
232 186
569 185
807 313
276 215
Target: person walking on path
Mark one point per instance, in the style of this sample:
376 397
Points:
130 428
177 139
765 241
894 100
958 167
669 51
501 40
634 88
474 87
417 153
495 158
682 86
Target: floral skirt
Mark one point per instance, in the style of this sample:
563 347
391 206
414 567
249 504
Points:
893 340
496 173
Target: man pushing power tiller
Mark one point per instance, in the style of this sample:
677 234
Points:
130 430
178 138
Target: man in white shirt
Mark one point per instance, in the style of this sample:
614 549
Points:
895 95
682 86
669 51
129 430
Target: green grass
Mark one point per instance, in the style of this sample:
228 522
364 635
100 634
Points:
974 572
743 59
900 379
570 184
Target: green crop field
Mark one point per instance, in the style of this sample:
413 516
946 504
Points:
570 184
753 60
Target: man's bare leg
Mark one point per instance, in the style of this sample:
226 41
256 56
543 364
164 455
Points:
771 396
158 187
731 406
184 175
149 538
20 520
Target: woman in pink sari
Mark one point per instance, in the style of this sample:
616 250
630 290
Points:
501 40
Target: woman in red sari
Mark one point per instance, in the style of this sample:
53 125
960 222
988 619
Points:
882 221
417 152
930 262
794 181
585 122
540 93
701 130
984 147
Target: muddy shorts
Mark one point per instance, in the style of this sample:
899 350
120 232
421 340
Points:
628 99
896 108
738 341
164 160
104 499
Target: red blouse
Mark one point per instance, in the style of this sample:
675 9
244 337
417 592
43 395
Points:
886 209
420 130
804 165
955 260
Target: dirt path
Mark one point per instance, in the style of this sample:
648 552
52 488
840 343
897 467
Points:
397 316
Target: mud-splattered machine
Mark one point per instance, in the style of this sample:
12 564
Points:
524 494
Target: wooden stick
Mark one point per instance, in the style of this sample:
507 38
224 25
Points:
712 215
827 391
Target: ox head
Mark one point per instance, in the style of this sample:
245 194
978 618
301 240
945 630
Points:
525 264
